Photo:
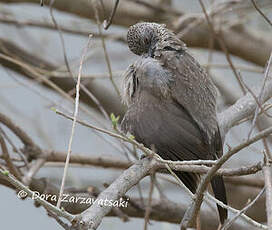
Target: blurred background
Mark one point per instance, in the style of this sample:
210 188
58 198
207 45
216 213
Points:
27 33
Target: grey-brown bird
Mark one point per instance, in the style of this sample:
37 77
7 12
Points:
172 103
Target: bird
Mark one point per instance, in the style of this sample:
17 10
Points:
171 103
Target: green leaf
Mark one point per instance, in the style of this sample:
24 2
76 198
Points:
6 172
53 109
114 120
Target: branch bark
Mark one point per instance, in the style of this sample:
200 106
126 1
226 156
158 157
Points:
252 46
66 83
92 217
267 170
239 41
243 107
161 210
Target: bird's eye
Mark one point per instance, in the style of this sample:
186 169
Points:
146 40
169 48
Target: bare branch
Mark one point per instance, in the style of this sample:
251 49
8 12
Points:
161 210
241 171
35 167
6 176
148 208
260 97
189 219
230 222
267 170
23 136
93 216
261 13
108 22
6 156
74 123
242 108
104 48
251 46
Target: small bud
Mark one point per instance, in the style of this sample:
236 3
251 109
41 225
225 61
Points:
6 173
114 120
53 109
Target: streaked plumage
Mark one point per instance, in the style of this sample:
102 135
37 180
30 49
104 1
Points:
171 102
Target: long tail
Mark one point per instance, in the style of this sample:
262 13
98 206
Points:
191 180
219 191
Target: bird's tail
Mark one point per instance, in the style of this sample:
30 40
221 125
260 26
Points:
191 180
219 191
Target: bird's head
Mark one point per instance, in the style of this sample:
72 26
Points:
145 37
142 37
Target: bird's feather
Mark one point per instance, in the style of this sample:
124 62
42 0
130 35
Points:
192 88
172 103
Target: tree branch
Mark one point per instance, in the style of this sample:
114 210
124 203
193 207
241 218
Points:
93 216
243 107
250 45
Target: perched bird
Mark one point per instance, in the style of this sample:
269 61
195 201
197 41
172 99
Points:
171 103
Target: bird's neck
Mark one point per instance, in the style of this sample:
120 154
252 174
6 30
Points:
166 38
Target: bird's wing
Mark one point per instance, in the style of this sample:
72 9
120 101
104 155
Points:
194 90
158 118
166 127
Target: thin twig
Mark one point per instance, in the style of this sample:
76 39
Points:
108 22
159 8
53 158
87 159
249 205
148 207
189 218
96 101
222 44
7 176
6 156
266 107
84 123
267 171
74 123
67 62
260 97
59 221
67 27
231 209
192 162
22 135
105 49
93 216
66 58
38 76
259 104
210 54
61 37
34 168
249 220
16 150
261 13
177 165
228 172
